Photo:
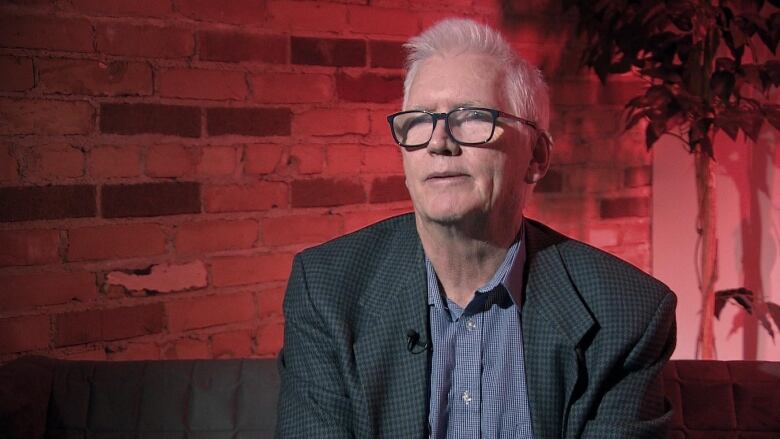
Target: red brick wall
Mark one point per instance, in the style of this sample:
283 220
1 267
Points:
162 160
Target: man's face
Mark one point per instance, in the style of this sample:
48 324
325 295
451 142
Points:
450 183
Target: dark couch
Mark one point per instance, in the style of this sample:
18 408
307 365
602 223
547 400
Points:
237 398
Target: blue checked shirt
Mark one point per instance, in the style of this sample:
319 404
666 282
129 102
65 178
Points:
478 387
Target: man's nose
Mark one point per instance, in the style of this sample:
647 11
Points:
441 142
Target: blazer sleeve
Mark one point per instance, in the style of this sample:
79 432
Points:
312 398
622 413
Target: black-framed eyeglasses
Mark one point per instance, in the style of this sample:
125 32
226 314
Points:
468 126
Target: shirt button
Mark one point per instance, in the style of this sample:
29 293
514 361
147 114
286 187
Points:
466 397
471 324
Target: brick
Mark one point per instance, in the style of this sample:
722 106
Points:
603 237
269 302
174 120
591 179
161 278
637 176
108 324
46 202
592 124
259 196
29 247
593 93
144 41
262 158
203 312
552 182
379 128
95 78
328 52
23 334
46 288
382 160
123 8
372 20
115 241
109 161
635 232
322 192
210 236
287 230
39 117
369 87
233 12
150 199
187 349
16 74
54 161
134 351
343 159
243 270
9 165
283 88
624 207
203 84
331 122
306 159
85 353
47 33
229 46
387 54
308 15
270 336
217 161
233 344
170 160
249 121
388 189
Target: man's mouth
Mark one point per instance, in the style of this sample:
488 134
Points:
445 175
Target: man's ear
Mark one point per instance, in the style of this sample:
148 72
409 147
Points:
540 159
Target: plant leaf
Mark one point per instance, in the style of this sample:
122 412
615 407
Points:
651 136
742 296
772 114
761 316
773 310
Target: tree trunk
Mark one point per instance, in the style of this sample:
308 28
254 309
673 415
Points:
708 256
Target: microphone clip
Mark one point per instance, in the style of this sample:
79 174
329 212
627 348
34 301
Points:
413 343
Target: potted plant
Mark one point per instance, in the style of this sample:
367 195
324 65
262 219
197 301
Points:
709 66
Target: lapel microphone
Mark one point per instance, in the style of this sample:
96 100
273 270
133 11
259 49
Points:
413 344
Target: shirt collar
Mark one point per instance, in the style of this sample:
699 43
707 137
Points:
509 274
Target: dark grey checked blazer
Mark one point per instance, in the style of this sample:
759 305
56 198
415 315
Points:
597 332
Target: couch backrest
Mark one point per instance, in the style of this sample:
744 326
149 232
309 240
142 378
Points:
724 399
237 398
199 398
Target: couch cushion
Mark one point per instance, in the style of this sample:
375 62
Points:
206 399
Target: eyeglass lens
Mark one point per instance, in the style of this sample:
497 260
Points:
466 126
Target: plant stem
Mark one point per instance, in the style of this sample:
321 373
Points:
705 186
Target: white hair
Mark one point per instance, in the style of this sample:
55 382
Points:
524 87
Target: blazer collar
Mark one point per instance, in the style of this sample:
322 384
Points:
548 280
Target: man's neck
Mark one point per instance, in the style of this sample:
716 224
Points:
465 260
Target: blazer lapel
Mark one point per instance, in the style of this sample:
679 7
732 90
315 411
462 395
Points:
555 321
395 381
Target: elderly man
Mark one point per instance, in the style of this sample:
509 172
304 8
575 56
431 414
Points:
465 319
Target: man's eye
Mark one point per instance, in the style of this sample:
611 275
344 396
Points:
474 115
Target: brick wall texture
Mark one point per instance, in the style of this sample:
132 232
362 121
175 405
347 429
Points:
161 161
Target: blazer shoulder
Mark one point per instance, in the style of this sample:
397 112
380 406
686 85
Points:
615 291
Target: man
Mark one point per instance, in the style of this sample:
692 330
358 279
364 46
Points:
465 319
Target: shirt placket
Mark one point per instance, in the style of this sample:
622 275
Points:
466 397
